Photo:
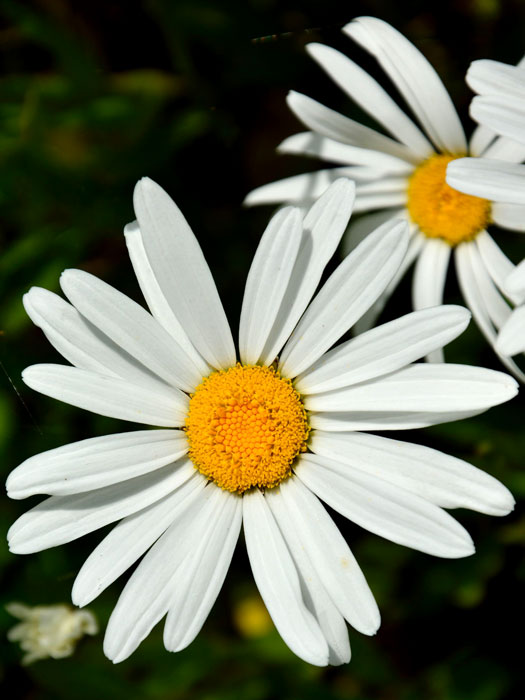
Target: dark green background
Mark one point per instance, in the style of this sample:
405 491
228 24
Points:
94 95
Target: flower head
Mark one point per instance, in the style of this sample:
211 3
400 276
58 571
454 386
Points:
49 631
404 174
252 440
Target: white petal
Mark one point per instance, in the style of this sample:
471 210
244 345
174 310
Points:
299 511
305 187
480 140
476 301
496 306
155 299
498 266
415 246
147 595
182 273
278 582
342 421
515 282
503 148
315 596
323 227
79 341
422 387
61 519
361 226
385 509
327 122
347 294
494 78
511 216
415 78
490 179
511 339
198 583
384 349
502 115
96 462
128 541
428 282
369 95
379 200
267 281
109 396
439 478
131 327
309 143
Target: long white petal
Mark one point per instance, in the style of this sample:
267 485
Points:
511 216
347 294
198 583
428 282
496 306
384 349
147 595
437 477
515 282
422 387
369 95
502 115
476 302
327 122
278 583
315 595
109 396
183 274
385 509
368 319
488 77
511 339
299 511
130 539
61 519
308 143
495 180
503 148
361 226
497 264
155 299
415 78
480 140
304 187
79 341
323 227
96 462
343 421
131 327
269 275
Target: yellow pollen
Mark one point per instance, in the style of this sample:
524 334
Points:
245 427
441 211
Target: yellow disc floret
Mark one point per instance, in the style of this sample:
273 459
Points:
245 427
441 211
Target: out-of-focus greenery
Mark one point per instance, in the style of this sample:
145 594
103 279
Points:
191 92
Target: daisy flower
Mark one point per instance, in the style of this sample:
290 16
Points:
404 174
254 439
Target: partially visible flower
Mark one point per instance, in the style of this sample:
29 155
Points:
500 109
252 439
405 175
251 617
49 631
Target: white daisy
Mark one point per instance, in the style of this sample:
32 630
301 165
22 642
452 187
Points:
256 442
405 175
500 109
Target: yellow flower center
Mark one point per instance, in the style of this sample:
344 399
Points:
439 210
245 427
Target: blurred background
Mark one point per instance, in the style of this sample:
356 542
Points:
192 93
